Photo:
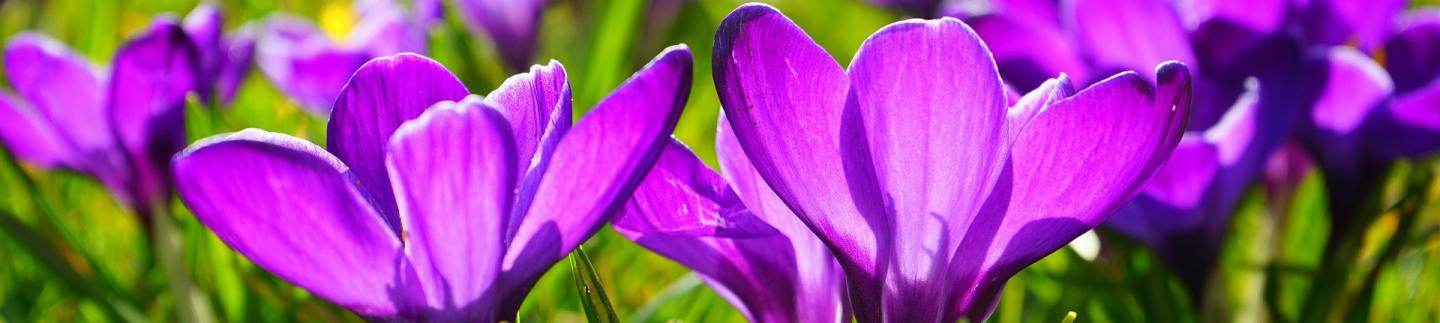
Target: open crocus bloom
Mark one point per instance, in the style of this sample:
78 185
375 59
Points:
737 235
930 192
119 128
310 67
449 213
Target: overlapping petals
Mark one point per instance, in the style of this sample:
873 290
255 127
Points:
737 234
414 212
930 194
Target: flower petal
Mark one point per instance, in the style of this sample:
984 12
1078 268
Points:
64 89
152 74
1028 54
820 292
29 137
1363 23
595 168
1410 127
383 94
936 139
1410 54
304 63
452 170
538 106
1134 35
757 269
1356 86
784 97
1099 145
511 24
291 208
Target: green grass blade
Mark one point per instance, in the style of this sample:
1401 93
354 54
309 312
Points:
592 294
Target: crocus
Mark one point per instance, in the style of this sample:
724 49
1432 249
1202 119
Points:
224 57
1366 118
310 67
119 127
737 234
449 213
930 192
1251 85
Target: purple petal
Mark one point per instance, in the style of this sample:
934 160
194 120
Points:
1411 126
784 97
292 208
1257 16
1134 35
452 169
29 137
151 76
936 139
383 94
238 56
1356 87
821 294
304 63
595 167
538 106
685 211
386 29
64 89
511 24
1027 53
1363 23
1100 144
205 26
1410 54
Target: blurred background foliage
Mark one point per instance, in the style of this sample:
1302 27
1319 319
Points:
71 253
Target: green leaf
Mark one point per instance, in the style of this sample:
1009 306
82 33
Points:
610 50
592 293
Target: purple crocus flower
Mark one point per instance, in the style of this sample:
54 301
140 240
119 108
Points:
737 234
449 213
119 127
224 58
1367 118
1251 86
310 67
930 192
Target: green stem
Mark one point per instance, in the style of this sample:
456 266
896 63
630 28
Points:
168 246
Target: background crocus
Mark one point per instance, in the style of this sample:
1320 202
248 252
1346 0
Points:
119 127
1253 81
737 234
447 214
225 57
930 192
311 67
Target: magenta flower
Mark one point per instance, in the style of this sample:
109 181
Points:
311 68
119 127
930 192
737 234
448 213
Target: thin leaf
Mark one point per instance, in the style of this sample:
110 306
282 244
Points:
592 294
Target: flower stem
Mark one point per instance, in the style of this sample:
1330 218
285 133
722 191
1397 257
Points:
168 246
